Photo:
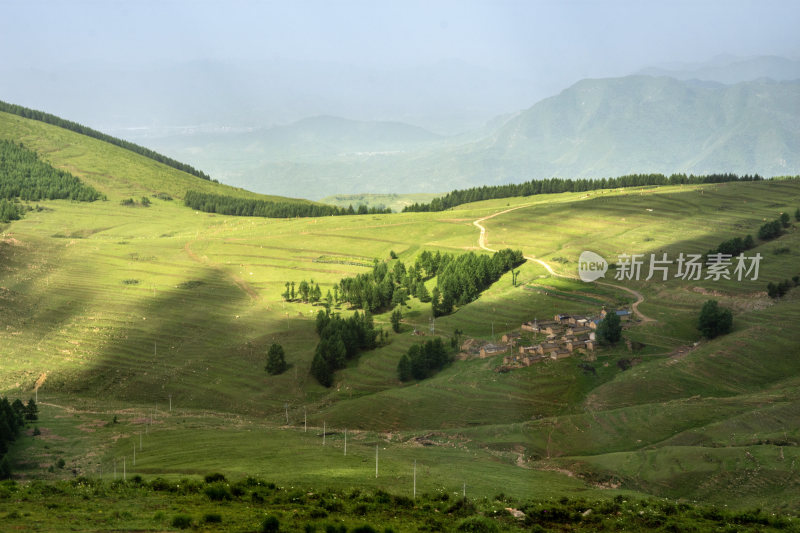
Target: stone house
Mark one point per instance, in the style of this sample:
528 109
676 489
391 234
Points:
490 350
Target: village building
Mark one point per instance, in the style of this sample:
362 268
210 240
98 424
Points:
578 330
546 347
577 320
623 314
580 345
559 354
490 350
511 337
562 319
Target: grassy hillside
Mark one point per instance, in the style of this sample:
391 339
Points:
116 172
126 311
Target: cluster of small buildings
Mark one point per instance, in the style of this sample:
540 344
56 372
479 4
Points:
565 335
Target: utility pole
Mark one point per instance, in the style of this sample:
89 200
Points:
123 469
323 433
134 454
376 461
170 403
464 490
286 409
415 479
345 441
305 421
140 440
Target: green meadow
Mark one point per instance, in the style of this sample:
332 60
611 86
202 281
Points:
161 317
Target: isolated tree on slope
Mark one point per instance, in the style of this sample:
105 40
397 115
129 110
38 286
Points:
276 360
714 320
609 330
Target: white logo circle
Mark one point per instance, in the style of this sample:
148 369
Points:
591 266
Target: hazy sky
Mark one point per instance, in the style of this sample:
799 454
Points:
450 66
581 37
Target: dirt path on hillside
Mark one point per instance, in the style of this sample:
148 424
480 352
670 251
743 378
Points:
482 243
239 282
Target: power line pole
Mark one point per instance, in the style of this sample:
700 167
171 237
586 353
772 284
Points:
415 479
345 441
323 433
376 461
464 490
170 403
305 421
134 453
123 469
286 408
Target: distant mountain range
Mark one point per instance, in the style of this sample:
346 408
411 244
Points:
729 114
596 128
617 126
731 69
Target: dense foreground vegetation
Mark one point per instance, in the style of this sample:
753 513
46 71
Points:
228 205
89 132
252 504
559 185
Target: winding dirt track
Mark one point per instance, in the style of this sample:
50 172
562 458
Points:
482 243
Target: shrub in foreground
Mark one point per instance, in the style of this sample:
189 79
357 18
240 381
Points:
182 521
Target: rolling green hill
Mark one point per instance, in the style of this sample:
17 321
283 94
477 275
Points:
113 170
161 317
